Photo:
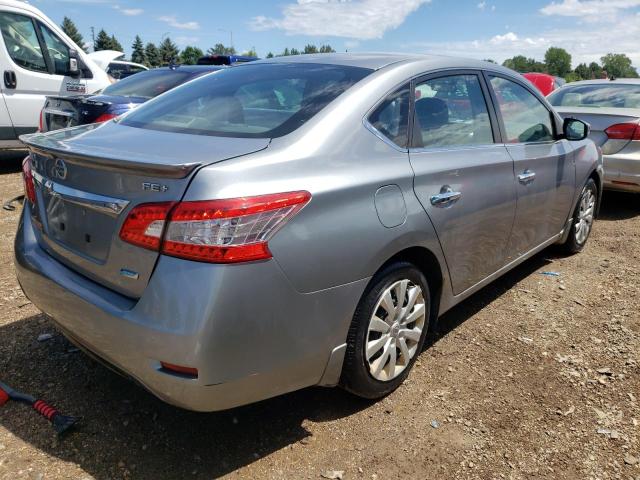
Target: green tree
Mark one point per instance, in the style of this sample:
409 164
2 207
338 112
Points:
326 49
294 51
137 51
558 61
190 55
618 65
309 48
522 64
286 52
152 55
115 44
595 69
251 52
582 72
103 41
221 49
72 32
270 55
168 51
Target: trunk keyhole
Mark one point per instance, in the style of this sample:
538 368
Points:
62 227
87 238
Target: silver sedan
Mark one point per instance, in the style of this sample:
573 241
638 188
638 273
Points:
296 221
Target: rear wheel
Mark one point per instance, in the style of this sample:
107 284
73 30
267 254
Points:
583 218
387 332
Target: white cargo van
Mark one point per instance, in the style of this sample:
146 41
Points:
37 59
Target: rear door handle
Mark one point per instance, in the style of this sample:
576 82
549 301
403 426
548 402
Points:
446 197
10 80
526 177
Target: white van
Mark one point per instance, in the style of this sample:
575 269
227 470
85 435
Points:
37 59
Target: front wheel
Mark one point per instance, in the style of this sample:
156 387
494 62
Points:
583 218
387 332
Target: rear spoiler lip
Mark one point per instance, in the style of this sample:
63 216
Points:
111 164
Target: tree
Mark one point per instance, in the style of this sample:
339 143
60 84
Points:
522 64
221 49
103 41
270 55
115 44
168 52
618 65
595 69
190 55
286 52
309 48
137 51
294 51
582 72
72 32
251 53
326 49
558 61
152 55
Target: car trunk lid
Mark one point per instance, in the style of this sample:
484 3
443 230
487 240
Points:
89 178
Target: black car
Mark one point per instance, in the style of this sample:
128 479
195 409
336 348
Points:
118 98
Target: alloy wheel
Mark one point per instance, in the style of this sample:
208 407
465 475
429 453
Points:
584 221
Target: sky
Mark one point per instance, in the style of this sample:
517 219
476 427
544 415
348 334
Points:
495 29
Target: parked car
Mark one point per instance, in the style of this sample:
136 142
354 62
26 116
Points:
111 61
37 59
116 99
283 223
225 59
544 82
612 108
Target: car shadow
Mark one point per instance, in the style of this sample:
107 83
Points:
124 428
11 161
619 206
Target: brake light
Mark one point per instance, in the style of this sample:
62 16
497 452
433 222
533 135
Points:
27 178
144 225
623 131
41 122
105 117
216 231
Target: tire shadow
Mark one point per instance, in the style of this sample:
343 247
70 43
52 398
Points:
619 206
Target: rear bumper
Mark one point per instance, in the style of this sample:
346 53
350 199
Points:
622 170
247 331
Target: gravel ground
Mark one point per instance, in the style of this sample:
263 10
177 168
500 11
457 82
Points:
533 377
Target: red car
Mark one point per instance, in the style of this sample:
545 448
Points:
544 82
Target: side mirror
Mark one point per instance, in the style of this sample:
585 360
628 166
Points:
74 68
575 129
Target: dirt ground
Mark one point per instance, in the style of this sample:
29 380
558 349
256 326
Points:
533 377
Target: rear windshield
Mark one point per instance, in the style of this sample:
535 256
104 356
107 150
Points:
605 95
148 84
256 101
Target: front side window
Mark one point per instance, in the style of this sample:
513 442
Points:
525 118
21 41
391 118
451 111
58 51
250 101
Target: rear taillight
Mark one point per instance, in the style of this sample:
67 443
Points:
144 225
27 177
623 131
105 117
41 122
216 231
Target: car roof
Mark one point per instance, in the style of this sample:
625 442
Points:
605 81
192 68
376 61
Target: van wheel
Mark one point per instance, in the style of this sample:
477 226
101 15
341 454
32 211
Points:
583 218
387 332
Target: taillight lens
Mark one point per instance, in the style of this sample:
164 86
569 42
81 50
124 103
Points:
105 117
216 231
27 177
145 223
41 122
623 131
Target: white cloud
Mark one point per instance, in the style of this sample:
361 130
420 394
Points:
172 21
591 10
130 12
482 5
359 19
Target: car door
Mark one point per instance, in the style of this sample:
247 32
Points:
34 63
544 164
463 174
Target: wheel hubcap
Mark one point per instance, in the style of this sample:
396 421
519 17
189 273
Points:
395 329
585 216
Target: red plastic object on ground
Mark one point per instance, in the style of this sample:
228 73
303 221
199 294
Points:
544 82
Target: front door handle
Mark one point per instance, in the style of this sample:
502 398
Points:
10 80
526 177
446 197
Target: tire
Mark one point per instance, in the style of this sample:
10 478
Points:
583 217
399 335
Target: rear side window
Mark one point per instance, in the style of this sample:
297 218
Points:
21 41
525 118
252 100
148 84
58 51
391 118
451 111
608 95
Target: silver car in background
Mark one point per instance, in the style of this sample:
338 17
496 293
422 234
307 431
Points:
296 221
612 109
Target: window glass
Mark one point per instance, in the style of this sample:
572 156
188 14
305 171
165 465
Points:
525 118
148 84
58 51
252 100
391 118
616 95
22 42
451 111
